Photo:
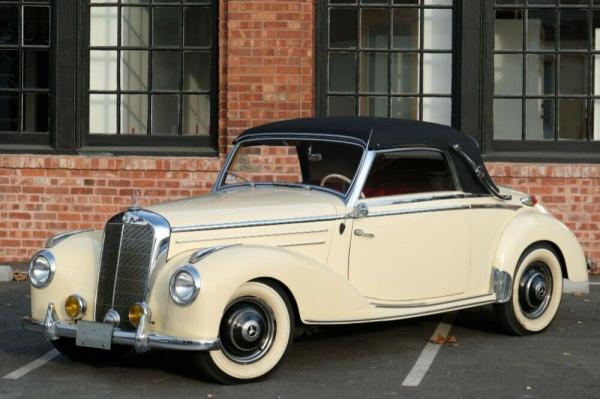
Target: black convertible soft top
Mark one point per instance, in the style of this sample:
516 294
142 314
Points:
387 133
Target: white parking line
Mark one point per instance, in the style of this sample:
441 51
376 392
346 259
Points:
39 362
426 358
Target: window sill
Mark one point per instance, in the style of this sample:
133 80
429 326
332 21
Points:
162 151
542 157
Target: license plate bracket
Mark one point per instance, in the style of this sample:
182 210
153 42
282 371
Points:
94 335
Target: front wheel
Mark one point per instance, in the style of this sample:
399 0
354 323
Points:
255 331
536 292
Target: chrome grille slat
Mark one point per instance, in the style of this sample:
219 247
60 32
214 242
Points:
125 268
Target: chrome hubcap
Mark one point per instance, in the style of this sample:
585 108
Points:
247 330
535 290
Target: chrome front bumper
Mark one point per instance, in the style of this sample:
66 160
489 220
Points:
141 339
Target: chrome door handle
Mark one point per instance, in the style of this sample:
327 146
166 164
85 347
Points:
360 233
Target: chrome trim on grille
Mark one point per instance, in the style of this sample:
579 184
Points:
257 223
151 244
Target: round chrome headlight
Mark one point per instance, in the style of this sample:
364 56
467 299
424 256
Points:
41 269
185 285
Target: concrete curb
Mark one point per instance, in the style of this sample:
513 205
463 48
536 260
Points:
6 273
571 287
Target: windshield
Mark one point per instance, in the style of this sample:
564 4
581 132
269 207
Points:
296 163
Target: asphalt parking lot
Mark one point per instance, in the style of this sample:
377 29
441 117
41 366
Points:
365 361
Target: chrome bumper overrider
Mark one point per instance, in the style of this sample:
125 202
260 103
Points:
142 340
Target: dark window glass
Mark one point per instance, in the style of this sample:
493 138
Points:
408 172
545 70
390 61
25 51
152 73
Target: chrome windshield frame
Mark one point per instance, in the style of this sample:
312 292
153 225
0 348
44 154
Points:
219 182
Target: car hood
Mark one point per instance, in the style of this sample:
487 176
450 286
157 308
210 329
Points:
249 204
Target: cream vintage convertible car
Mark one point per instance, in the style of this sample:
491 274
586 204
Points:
311 221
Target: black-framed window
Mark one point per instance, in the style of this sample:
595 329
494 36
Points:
387 58
25 71
151 74
545 66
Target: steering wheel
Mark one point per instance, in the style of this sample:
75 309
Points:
339 177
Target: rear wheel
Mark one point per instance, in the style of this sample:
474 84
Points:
536 292
67 347
255 331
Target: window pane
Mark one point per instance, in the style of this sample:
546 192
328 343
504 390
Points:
373 106
196 115
508 30
35 69
596 30
341 106
437 73
408 172
437 29
196 71
508 74
134 114
596 88
572 119
405 73
36 25
35 112
165 113
134 26
197 26
540 74
342 28
342 72
9 112
541 29
374 72
573 74
573 29
9 69
9 24
134 70
507 119
437 110
540 119
165 26
165 70
103 26
374 29
405 28
103 113
103 70
596 132
405 108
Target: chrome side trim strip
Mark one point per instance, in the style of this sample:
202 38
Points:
258 223
496 206
407 316
204 252
254 236
419 210
416 305
302 244
52 241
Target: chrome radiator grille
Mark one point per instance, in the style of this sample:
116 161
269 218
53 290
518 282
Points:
124 269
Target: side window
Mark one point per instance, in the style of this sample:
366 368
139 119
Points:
408 172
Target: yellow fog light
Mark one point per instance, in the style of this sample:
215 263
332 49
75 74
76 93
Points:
136 311
75 306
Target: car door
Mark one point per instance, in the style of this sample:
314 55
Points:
414 242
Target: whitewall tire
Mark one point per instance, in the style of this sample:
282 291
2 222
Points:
536 292
255 332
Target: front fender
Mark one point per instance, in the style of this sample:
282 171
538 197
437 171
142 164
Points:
320 293
77 262
532 226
